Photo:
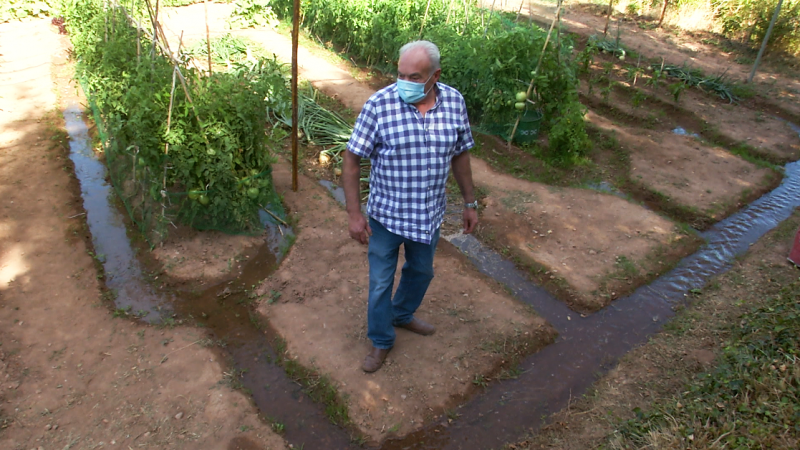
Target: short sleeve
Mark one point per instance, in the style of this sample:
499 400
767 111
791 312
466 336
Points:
465 140
364 138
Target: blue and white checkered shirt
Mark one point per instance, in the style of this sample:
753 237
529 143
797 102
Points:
410 157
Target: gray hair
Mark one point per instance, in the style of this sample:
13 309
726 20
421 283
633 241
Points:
430 49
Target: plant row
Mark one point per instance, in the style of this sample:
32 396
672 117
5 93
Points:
486 54
179 144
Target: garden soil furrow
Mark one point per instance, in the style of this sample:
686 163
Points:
73 376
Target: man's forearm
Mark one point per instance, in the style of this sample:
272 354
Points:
351 171
462 172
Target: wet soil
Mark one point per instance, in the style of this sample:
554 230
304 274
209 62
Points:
72 374
316 301
565 236
296 303
687 348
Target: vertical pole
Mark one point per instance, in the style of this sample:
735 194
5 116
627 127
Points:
663 12
424 18
764 43
295 37
608 16
486 30
208 37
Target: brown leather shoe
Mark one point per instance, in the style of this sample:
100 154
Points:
419 326
375 359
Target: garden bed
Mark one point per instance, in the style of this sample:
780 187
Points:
317 302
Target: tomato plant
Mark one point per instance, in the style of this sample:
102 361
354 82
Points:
186 163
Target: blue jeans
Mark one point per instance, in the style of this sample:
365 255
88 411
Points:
385 312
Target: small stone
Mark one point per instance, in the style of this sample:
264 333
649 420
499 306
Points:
55 427
179 416
48 427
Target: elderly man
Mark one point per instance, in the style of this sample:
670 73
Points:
412 131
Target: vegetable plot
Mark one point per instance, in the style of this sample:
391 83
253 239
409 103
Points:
487 55
181 145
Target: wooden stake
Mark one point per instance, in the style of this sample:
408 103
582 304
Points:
295 38
764 43
538 65
608 16
208 37
491 13
424 17
663 11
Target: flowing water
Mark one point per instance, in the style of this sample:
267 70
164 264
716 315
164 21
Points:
585 347
222 310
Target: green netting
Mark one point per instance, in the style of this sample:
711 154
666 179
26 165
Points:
180 146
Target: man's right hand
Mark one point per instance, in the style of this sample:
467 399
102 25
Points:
359 228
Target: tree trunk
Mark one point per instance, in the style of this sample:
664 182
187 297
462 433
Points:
663 11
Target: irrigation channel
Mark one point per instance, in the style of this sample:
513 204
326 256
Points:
585 346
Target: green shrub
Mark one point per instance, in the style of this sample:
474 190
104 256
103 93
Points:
486 55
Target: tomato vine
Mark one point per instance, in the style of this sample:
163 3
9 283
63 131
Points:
210 167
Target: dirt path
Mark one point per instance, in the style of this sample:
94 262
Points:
333 80
675 46
72 375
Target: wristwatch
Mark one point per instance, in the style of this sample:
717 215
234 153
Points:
473 205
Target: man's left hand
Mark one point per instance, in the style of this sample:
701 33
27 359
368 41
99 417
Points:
470 219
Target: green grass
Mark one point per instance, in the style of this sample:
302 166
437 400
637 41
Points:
750 400
318 386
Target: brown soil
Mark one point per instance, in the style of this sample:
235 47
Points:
72 375
598 244
687 170
206 257
743 124
321 313
687 347
774 82
92 378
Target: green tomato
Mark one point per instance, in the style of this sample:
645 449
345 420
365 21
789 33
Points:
522 96
194 195
211 152
252 192
203 199
519 105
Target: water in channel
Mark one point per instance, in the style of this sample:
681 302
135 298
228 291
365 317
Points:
506 409
222 310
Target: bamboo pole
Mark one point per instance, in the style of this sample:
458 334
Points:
608 16
491 13
764 43
449 10
424 18
208 37
295 38
536 71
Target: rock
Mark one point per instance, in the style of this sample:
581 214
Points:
179 416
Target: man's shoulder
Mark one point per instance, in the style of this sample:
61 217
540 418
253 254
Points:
383 96
449 93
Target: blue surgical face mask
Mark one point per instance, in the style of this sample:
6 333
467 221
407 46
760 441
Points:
411 92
